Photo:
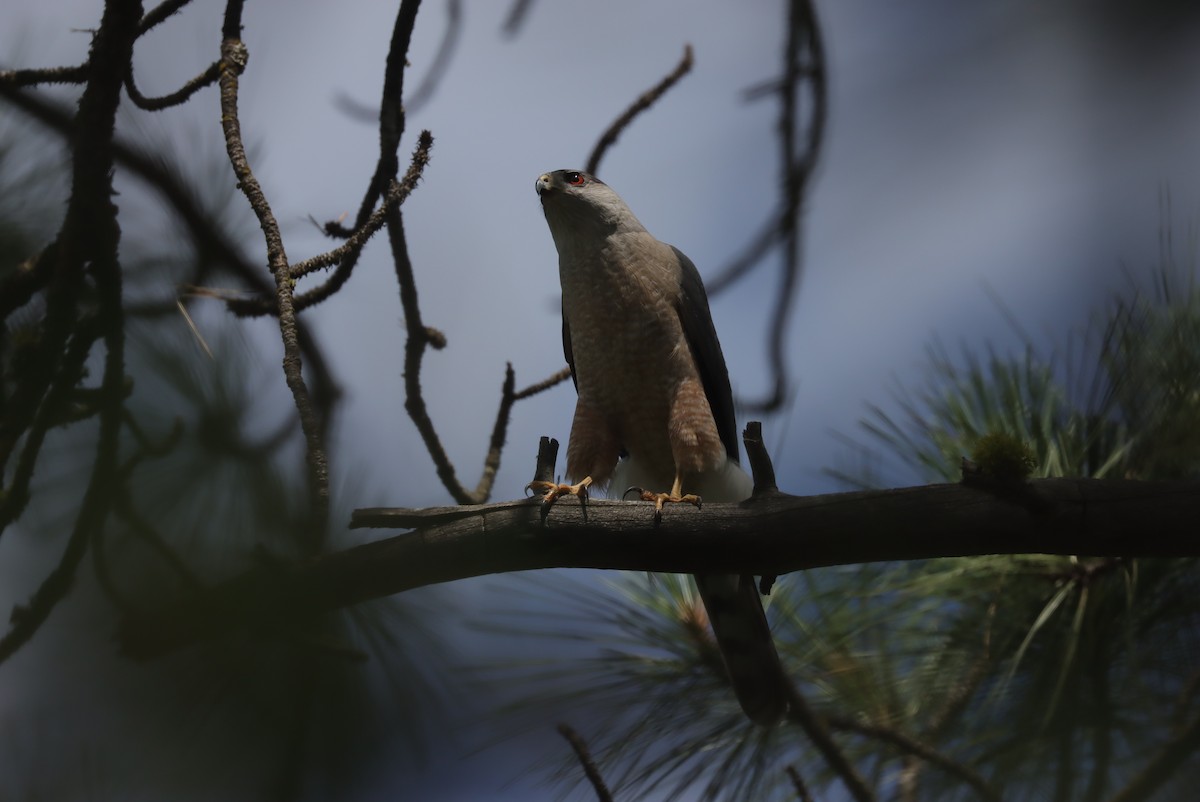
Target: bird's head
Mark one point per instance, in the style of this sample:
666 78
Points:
579 206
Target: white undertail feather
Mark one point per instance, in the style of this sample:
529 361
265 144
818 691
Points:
728 483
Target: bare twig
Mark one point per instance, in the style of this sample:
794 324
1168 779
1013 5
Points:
516 16
803 66
441 59
397 193
160 13
233 62
176 98
585 760
387 168
48 75
545 384
419 336
647 99
804 39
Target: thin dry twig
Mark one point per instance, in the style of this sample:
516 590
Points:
176 98
516 17
419 336
803 66
397 193
545 384
160 13
647 99
233 62
47 75
387 168
804 40
441 59
585 760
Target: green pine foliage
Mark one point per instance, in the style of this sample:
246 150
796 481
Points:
1027 677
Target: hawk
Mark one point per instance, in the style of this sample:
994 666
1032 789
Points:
655 408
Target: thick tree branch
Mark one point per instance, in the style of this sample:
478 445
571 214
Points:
772 534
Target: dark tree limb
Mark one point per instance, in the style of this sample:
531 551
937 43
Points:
768 535
88 243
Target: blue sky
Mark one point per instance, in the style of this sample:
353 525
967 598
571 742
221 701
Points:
1021 151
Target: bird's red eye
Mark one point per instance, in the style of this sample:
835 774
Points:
575 179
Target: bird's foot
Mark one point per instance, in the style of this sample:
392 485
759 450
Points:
551 491
660 499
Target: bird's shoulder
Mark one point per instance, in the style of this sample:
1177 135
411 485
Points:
643 251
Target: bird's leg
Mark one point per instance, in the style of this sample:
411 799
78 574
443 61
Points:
552 490
676 496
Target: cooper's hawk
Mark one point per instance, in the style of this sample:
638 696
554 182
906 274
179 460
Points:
653 388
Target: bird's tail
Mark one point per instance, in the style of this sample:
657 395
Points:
744 638
733 604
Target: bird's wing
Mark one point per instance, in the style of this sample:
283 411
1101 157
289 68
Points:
734 608
567 352
701 337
